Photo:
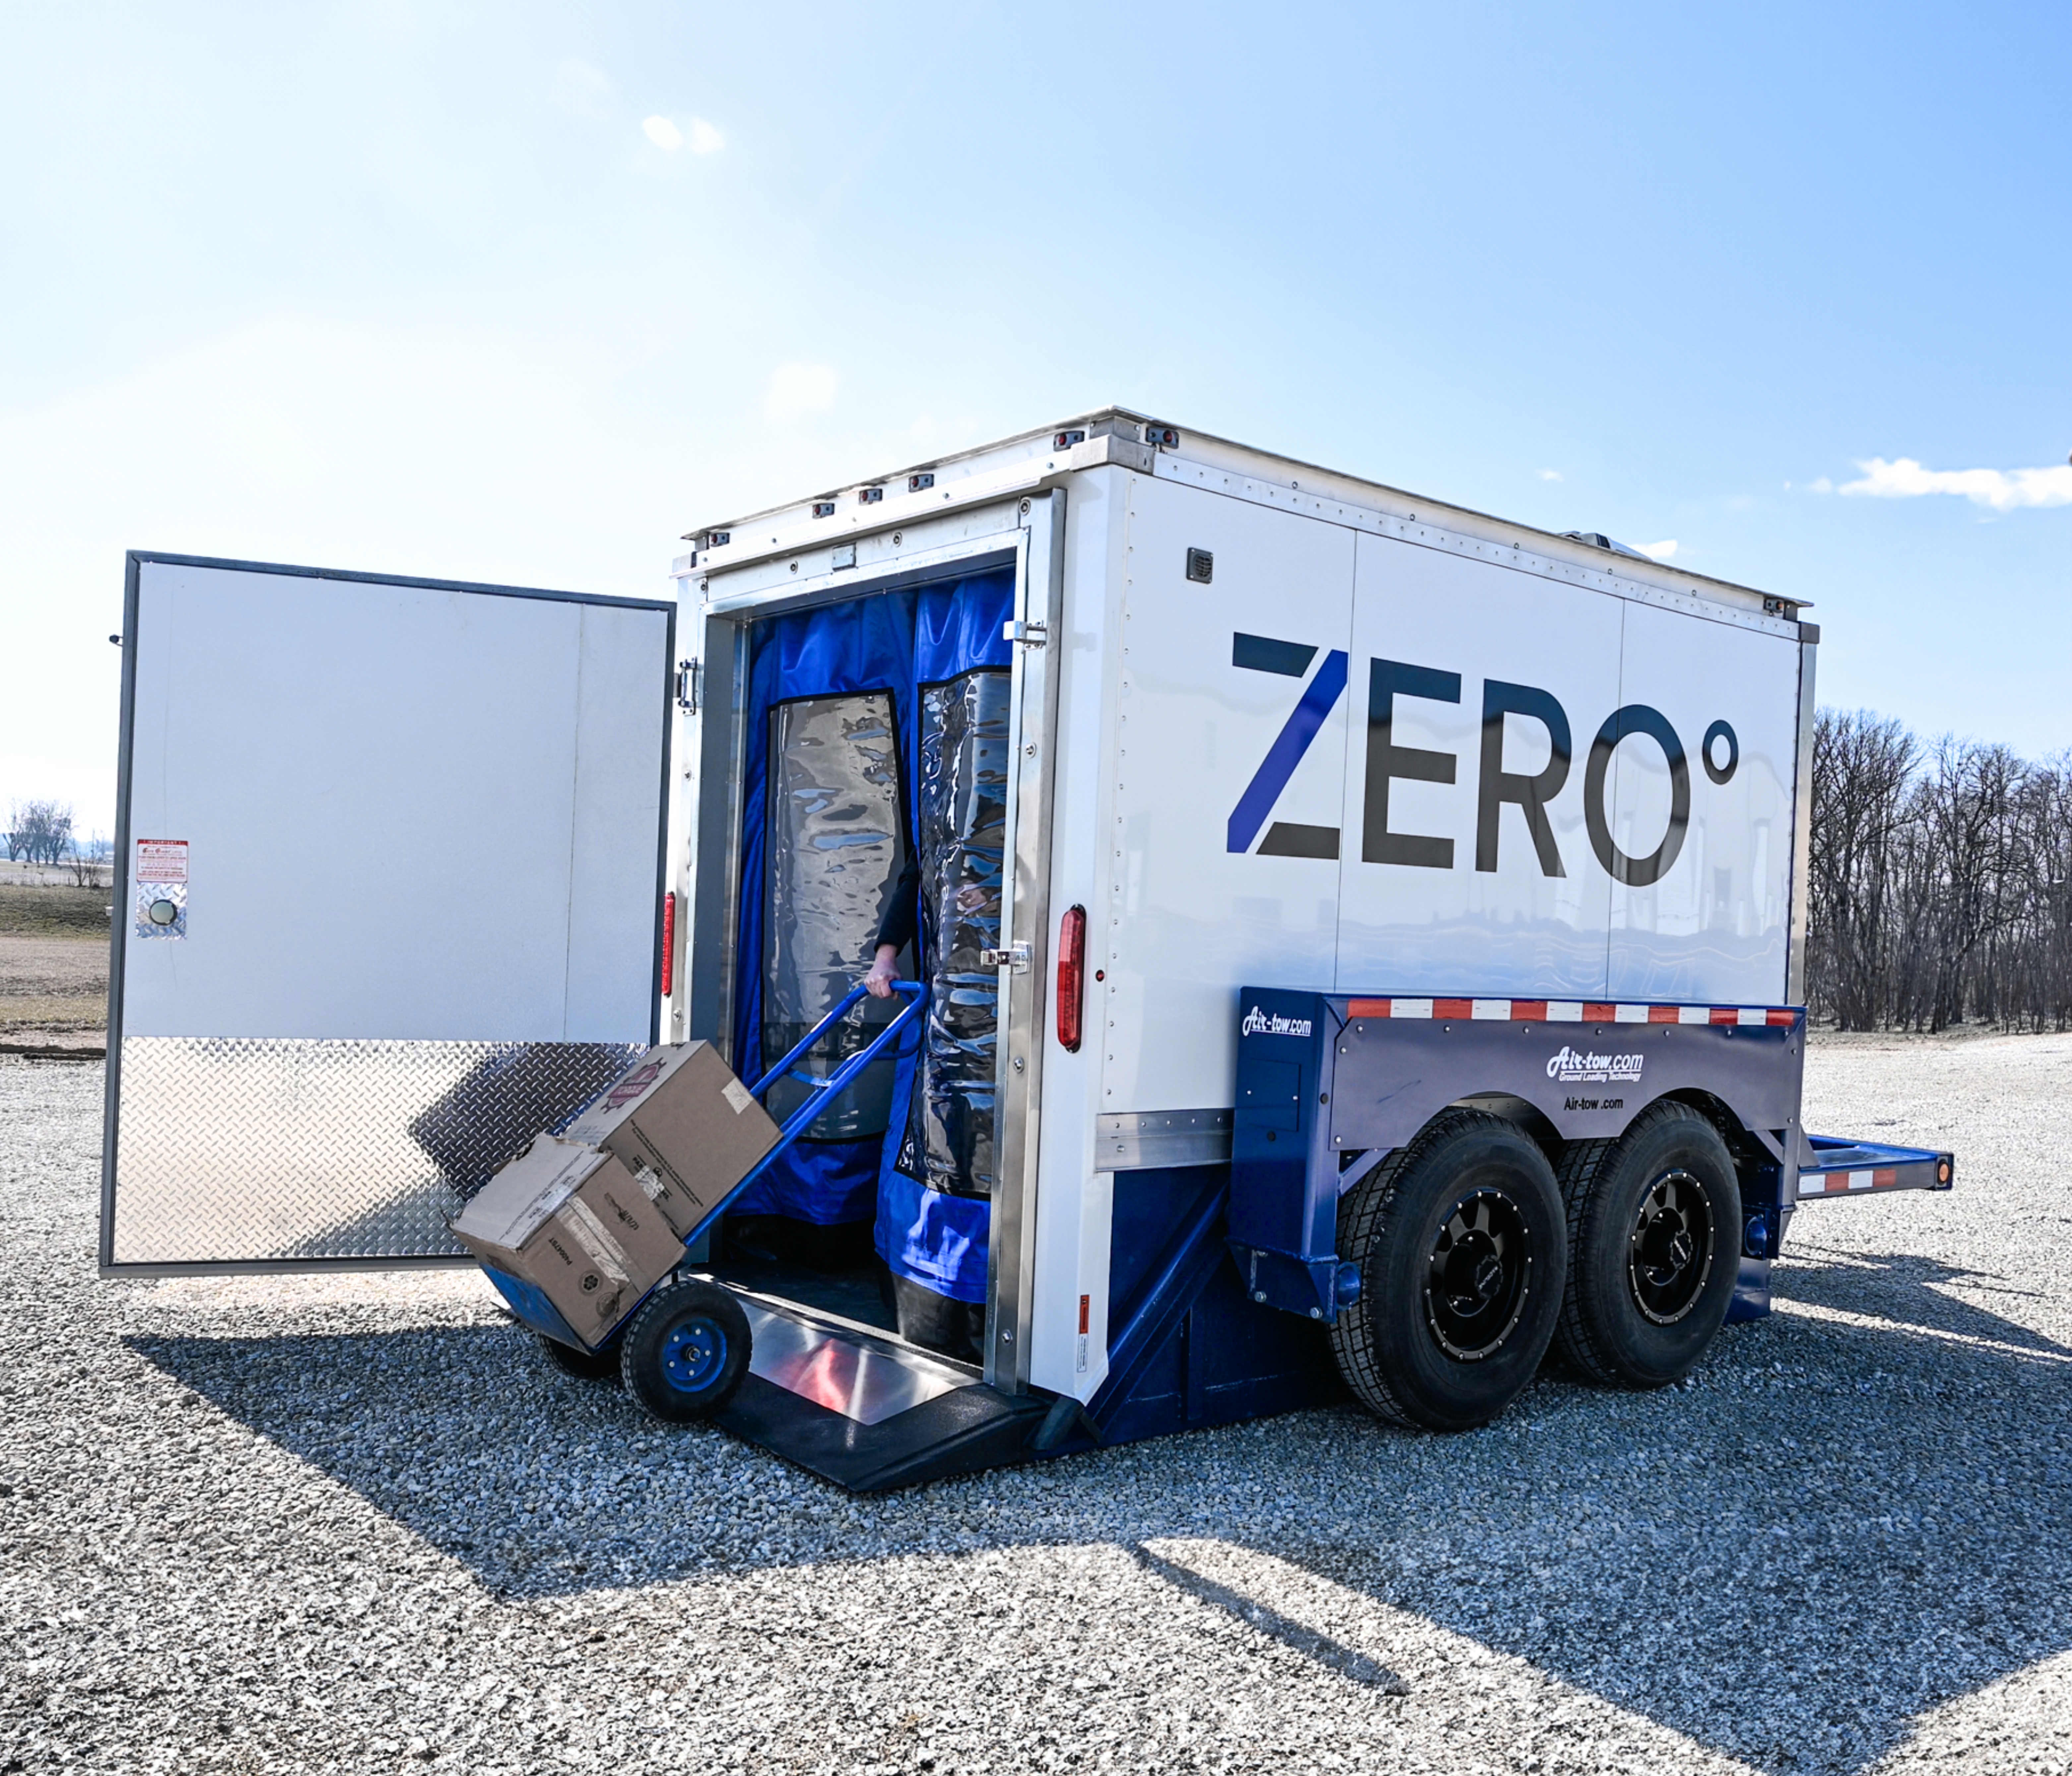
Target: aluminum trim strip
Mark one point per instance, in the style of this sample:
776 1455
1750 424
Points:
1136 1141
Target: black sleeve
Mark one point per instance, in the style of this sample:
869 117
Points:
899 925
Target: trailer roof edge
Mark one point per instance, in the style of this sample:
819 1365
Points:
1299 475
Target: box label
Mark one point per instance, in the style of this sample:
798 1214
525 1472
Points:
737 1094
590 1234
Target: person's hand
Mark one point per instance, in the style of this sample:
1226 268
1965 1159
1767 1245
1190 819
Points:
879 979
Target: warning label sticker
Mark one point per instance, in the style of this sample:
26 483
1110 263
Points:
162 860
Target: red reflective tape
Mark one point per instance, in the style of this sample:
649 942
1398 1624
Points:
1534 1011
1884 1178
1086 1313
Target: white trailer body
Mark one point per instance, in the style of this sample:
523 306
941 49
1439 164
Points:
1269 731
1165 719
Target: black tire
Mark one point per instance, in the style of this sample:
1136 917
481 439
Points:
584 1365
1654 1237
1460 1244
686 1350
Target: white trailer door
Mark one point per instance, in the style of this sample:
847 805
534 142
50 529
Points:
388 901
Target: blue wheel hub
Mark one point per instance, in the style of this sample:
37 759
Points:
693 1354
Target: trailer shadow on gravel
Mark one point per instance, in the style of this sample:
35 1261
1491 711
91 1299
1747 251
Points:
1925 1294
1833 1528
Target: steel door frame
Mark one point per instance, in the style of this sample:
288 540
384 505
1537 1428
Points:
1032 544
1010 1263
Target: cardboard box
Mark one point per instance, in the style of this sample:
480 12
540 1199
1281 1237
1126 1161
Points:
684 1125
572 1222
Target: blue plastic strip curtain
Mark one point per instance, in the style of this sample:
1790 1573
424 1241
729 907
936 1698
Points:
935 1238
888 641
866 644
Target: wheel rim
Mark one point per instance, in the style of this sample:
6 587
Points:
693 1352
1477 1275
1669 1257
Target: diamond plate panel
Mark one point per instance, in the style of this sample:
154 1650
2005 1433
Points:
235 1150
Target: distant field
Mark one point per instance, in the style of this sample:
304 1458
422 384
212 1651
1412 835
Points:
53 959
54 912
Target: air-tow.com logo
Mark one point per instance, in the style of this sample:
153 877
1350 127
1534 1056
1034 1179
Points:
1257 1023
1577 1067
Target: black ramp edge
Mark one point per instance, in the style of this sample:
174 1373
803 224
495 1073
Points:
964 1431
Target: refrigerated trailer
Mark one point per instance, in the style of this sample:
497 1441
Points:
1364 940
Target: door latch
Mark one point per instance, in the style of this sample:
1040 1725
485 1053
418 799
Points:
1030 635
1015 957
687 686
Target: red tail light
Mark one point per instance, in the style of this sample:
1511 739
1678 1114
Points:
1071 976
668 943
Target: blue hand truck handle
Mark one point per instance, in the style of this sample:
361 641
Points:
819 1091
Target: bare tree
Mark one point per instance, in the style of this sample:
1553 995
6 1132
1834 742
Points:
1942 880
40 832
1862 766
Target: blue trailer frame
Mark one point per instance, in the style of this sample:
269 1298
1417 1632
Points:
1329 1085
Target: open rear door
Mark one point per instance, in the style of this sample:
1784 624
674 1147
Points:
388 901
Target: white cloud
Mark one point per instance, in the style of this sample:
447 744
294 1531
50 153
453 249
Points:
2001 489
1824 485
1550 474
1660 552
705 138
796 388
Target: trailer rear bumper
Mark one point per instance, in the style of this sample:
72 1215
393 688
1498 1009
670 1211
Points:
1859 1168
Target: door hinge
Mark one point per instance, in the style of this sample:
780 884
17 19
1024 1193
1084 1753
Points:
1030 635
1015 956
688 672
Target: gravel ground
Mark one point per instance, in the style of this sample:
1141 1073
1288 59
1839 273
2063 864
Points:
304 1524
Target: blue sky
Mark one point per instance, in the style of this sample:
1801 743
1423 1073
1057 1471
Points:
520 293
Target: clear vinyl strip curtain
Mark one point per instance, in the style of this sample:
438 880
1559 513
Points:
960 834
836 853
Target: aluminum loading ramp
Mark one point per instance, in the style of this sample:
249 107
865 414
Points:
1189 1350
855 1406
